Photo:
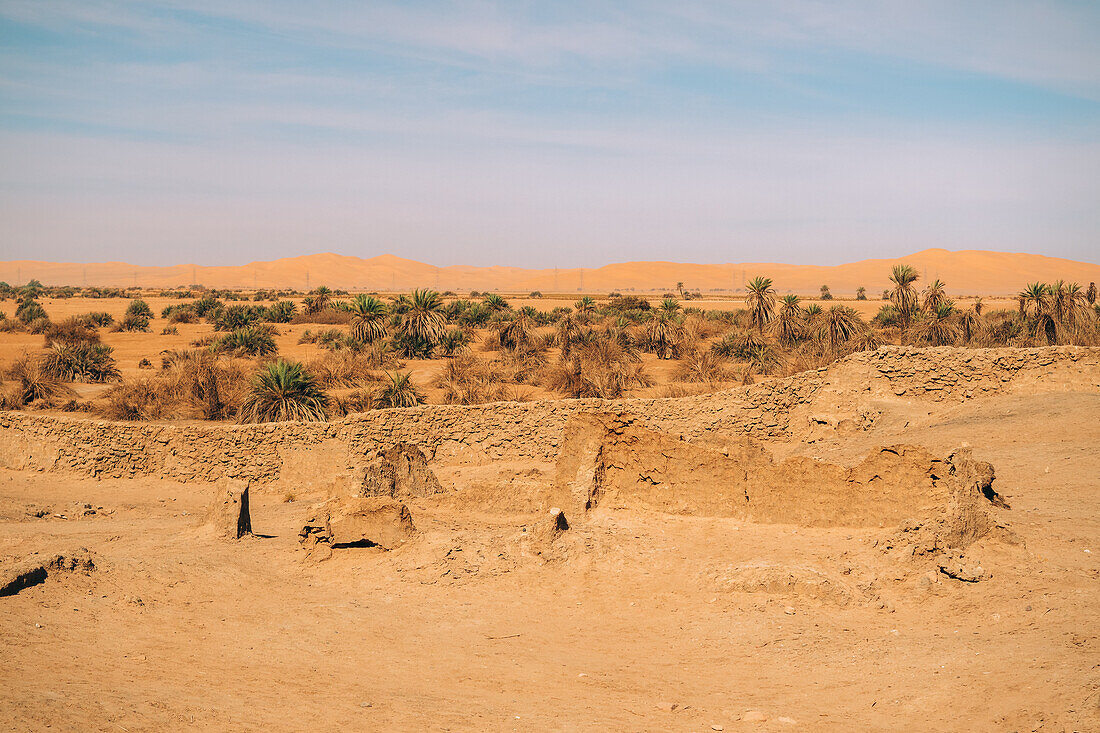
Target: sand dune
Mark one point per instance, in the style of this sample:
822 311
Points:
966 272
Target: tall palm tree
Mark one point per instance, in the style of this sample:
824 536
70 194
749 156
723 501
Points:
283 391
934 296
368 318
904 295
424 321
760 301
788 325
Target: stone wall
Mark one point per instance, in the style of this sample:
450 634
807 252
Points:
315 454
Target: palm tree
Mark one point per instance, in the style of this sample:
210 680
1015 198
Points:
495 302
368 318
826 294
516 334
938 328
970 323
840 325
760 301
585 306
680 289
978 306
1056 295
788 326
1075 309
423 321
904 295
283 391
1034 300
670 305
1090 294
934 296
320 299
663 334
861 293
400 391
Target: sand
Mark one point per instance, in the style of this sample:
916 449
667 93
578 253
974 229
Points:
967 272
625 626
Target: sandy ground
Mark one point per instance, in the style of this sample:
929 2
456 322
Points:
621 627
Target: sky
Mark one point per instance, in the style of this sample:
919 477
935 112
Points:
547 134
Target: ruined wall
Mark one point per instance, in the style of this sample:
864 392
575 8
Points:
322 453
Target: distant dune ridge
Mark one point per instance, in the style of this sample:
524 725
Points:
965 272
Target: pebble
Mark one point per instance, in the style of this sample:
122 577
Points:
667 707
754 716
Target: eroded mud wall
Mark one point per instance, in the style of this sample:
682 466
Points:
323 453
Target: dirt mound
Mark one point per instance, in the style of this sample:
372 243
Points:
358 522
18 575
946 534
782 580
401 472
615 461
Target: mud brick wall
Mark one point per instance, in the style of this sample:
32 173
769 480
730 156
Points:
313 453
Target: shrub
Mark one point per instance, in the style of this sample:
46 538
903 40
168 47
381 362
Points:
133 322
248 341
34 382
80 362
284 391
98 319
30 310
72 330
399 391
139 307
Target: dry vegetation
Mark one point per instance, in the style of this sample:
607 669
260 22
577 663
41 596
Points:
239 356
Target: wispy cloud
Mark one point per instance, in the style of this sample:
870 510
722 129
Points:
520 132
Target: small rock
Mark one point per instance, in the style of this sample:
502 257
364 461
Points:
786 721
754 716
667 707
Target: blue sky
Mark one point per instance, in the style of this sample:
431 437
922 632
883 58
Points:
547 134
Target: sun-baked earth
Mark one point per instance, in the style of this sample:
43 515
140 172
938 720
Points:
916 561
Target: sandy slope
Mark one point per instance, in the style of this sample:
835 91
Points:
466 629
966 272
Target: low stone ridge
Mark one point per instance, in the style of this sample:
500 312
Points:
777 408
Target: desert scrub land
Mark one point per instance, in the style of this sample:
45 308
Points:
194 354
